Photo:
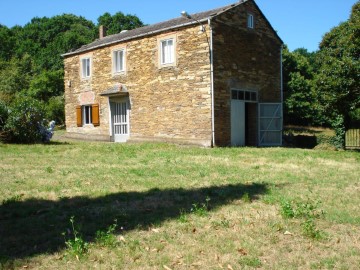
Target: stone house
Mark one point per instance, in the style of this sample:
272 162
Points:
212 79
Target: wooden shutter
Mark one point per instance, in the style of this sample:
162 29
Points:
95 115
78 116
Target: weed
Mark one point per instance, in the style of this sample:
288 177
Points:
300 209
201 209
310 230
287 210
49 170
107 238
246 197
308 210
183 217
250 261
76 246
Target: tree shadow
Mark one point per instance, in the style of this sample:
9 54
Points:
34 227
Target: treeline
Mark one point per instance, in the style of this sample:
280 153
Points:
320 88
323 88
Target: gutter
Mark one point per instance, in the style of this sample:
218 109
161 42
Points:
212 84
281 91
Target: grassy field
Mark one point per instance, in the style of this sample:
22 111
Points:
156 206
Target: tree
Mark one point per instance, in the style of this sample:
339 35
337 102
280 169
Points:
299 102
7 43
46 85
15 76
118 22
338 80
45 39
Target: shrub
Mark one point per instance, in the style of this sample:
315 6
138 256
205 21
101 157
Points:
24 121
339 127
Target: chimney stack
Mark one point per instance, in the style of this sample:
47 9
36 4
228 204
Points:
102 31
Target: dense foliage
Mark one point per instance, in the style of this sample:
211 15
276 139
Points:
31 64
323 88
24 121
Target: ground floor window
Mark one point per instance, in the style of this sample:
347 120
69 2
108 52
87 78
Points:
87 115
270 124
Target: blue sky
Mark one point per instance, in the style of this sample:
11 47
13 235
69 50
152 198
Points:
300 23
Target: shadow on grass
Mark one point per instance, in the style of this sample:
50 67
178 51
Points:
35 226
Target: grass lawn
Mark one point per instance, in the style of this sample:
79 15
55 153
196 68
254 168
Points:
157 206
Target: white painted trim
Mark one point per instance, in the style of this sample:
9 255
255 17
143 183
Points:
122 72
160 40
250 21
110 123
82 67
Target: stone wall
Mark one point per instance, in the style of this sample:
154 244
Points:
247 59
167 103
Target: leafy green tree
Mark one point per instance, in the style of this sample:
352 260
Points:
118 22
55 109
15 76
7 42
46 85
299 103
46 39
338 80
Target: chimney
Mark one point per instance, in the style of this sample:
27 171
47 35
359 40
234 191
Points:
102 31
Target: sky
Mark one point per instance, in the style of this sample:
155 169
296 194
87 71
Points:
300 23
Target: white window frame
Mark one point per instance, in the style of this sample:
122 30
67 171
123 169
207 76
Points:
86 67
250 21
119 66
167 57
280 130
84 116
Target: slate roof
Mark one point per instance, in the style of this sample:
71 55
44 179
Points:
152 29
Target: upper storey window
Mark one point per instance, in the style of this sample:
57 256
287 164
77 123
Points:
250 21
167 51
119 61
86 67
